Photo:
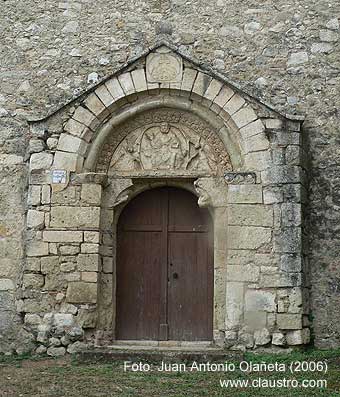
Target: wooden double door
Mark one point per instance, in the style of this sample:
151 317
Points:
164 268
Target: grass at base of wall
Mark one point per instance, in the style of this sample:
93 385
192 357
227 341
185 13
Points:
47 377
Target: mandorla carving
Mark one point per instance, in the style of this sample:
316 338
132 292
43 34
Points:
165 140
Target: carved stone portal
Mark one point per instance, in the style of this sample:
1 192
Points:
164 141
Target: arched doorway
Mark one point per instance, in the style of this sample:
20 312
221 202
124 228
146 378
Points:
164 268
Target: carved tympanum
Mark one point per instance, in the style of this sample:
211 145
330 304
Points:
164 141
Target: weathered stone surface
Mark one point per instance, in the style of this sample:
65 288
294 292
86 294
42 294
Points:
37 248
63 320
41 161
278 339
91 194
262 337
81 292
49 264
76 347
56 351
62 236
69 143
260 301
248 237
289 321
33 281
250 215
243 273
35 219
246 194
77 217
88 262
6 284
298 337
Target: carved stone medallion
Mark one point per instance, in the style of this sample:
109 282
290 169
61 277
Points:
164 68
164 142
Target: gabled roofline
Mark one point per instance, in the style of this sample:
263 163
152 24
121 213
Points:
205 68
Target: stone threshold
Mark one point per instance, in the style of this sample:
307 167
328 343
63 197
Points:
157 351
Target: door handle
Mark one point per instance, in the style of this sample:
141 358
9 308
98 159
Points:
175 275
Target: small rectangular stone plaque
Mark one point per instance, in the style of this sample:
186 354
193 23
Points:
59 177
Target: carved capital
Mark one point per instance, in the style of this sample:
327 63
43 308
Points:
212 192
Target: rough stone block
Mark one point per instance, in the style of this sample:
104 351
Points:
34 195
91 194
257 161
250 215
213 89
104 95
189 76
115 88
49 264
281 175
280 280
75 217
288 240
262 337
84 116
248 237
88 262
94 104
298 337
41 161
81 292
87 318
244 116
6 284
255 143
107 265
33 280
63 236
201 84
87 248
234 299
278 339
126 83
69 249
37 248
247 273
234 104
247 194
289 321
92 237
32 265
291 263
223 97
73 144
74 127
35 219
89 277
67 161
291 214
139 80
257 300
255 320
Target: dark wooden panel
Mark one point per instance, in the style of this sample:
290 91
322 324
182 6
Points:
162 234
190 297
140 267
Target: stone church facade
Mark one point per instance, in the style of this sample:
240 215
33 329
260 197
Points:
166 119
